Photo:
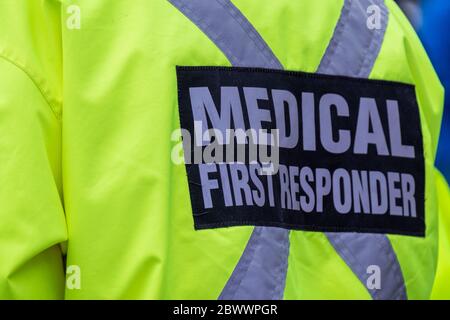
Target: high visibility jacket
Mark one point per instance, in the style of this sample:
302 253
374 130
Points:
88 106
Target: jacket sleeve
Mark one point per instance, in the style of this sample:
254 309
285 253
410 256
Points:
441 288
32 221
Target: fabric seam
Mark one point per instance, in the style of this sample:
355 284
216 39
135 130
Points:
28 73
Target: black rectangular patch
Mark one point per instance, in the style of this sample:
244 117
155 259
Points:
346 154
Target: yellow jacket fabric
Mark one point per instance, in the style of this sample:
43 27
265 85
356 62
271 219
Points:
88 106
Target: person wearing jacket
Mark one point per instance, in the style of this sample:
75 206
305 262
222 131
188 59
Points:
93 92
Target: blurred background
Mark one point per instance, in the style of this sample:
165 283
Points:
431 18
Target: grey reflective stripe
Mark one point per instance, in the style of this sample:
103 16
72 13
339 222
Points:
354 46
258 276
230 31
368 254
353 51
261 270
